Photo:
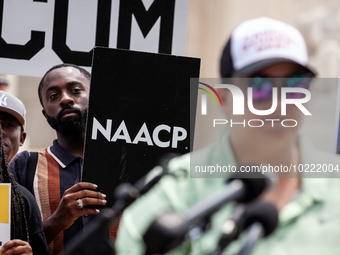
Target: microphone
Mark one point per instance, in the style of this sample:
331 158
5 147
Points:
260 223
144 185
243 217
170 228
232 228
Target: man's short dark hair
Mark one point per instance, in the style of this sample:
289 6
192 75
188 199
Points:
86 74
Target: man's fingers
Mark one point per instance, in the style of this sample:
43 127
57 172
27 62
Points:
88 211
93 201
80 186
16 246
18 250
11 243
14 250
89 193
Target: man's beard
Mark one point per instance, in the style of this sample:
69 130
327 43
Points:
70 126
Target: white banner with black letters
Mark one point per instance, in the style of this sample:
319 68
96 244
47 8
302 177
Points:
37 34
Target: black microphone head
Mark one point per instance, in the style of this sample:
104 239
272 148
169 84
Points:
143 185
126 191
255 183
164 233
263 212
164 160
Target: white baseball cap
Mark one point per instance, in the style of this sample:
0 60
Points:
13 106
258 43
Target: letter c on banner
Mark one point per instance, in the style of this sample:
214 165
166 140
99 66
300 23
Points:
27 51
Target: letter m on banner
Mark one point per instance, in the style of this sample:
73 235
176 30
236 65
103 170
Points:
146 19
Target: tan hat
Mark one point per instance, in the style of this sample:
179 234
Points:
13 106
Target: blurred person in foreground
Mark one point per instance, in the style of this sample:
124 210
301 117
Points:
261 48
27 235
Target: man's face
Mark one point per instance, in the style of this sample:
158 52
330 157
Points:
266 133
3 86
13 137
65 96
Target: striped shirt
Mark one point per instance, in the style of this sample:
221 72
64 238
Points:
57 170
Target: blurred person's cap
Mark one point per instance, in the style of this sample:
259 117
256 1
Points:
259 43
12 105
3 81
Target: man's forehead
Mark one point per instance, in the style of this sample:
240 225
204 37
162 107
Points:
64 75
281 70
7 116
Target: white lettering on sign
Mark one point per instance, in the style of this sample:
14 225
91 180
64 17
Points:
238 100
143 136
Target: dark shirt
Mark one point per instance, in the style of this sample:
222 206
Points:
37 238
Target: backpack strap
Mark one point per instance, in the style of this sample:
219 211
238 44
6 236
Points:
30 171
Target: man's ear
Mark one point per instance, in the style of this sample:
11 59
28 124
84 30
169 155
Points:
226 99
44 112
223 95
22 138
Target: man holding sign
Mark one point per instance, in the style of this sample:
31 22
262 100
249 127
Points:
64 94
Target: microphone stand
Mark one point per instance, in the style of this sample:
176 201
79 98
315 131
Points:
255 232
126 194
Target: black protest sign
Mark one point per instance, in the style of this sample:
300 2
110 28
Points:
139 110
